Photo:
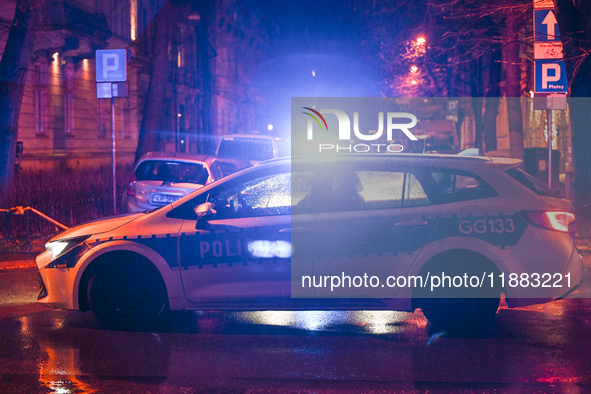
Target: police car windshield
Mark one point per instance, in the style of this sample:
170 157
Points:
530 182
171 171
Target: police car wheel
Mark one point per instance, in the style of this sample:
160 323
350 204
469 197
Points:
127 295
470 315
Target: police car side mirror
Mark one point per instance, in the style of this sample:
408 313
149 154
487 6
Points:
203 212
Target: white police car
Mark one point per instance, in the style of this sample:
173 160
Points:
275 237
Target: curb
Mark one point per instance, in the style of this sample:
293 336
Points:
17 264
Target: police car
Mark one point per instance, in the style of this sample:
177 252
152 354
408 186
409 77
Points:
268 237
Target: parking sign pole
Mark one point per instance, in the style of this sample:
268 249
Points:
549 123
111 78
113 154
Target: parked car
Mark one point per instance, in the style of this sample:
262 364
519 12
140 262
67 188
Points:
161 178
231 165
268 237
253 147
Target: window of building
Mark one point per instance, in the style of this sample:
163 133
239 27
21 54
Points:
40 89
69 99
133 20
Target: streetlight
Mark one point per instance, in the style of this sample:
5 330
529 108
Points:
420 45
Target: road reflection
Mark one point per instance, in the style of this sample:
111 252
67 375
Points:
371 322
540 346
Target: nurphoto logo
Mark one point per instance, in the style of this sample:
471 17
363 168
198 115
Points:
402 121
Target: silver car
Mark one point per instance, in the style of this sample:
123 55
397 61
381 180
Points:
162 178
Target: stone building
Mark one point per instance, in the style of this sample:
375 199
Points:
63 124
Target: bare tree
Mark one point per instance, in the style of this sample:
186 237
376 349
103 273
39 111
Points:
15 62
153 114
513 25
574 23
203 48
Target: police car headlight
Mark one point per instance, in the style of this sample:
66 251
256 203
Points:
56 248
59 247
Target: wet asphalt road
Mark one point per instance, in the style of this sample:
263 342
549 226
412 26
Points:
538 349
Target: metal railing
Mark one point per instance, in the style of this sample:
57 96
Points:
24 223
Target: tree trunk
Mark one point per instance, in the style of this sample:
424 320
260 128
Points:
15 62
477 101
491 106
207 145
513 84
478 123
148 139
574 24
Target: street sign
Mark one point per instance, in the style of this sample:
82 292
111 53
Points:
111 65
552 101
451 110
557 102
543 3
103 90
547 50
545 26
550 76
111 90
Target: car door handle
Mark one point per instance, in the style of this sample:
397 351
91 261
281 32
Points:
295 230
411 223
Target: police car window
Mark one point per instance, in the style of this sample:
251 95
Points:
360 190
530 182
456 185
276 194
414 194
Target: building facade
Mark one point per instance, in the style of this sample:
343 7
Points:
62 123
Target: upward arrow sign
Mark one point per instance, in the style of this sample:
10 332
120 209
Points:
550 22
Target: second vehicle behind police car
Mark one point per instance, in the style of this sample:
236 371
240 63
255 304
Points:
246 241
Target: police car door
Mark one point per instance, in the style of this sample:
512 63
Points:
379 221
243 251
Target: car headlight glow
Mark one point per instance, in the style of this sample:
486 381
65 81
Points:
61 246
56 248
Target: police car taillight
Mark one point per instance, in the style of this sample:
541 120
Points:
131 186
553 220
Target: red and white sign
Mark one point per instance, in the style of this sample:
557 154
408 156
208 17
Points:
547 50
543 3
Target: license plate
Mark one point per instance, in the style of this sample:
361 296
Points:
164 198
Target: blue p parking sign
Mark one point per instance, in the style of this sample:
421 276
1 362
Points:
111 65
550 76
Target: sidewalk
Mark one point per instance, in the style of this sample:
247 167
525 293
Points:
583 244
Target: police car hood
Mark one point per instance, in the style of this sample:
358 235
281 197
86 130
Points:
97 226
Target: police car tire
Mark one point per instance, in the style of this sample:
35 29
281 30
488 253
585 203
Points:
471 315
122 299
